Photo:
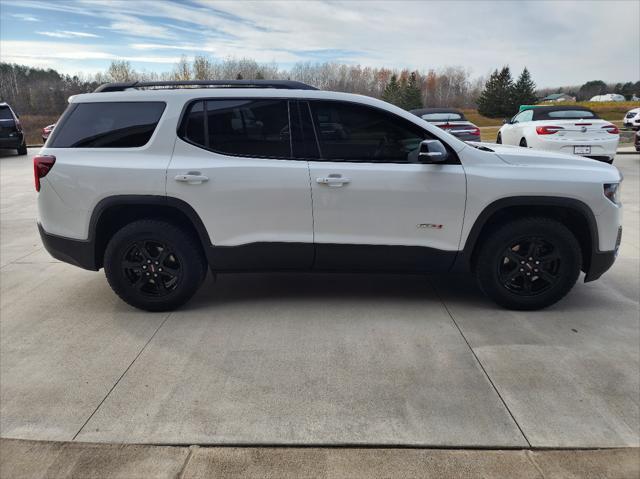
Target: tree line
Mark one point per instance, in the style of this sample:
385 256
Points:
45 91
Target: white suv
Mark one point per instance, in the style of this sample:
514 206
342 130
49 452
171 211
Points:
156 183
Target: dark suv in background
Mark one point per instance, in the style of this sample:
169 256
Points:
11 133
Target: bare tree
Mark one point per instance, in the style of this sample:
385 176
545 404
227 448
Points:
121 71
182 70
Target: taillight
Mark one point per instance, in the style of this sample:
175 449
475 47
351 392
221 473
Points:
548 130
18 125
41 166
475 131
613 129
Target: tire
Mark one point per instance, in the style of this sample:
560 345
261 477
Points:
523 143
22 149
499 139
508 276
154 265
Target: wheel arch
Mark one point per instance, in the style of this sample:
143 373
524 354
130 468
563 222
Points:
573 213
112 213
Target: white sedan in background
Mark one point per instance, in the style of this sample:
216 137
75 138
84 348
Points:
566 129
632 119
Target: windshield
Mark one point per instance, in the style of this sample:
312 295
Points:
5 113
442 116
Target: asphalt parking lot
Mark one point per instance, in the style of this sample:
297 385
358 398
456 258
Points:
313 359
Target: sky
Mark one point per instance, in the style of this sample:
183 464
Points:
560 42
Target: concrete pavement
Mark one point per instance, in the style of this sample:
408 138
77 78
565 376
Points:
313 359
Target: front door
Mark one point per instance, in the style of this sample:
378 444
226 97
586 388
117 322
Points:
373 207
233 164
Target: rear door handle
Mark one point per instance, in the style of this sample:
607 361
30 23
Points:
191 178
333 181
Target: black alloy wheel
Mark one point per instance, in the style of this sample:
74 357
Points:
530 266
152 268
154 265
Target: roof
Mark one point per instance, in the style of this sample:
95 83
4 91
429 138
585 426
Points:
169 84
547 108
542 112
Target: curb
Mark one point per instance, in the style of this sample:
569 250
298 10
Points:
26 458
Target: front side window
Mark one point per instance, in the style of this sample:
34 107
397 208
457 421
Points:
108 125
352 132
243 127
526 115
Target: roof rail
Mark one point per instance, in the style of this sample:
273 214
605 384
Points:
278 84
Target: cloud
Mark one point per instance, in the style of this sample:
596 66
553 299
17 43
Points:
68 34
480 36
131 25
33 52
25 16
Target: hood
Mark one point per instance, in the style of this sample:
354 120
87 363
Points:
519 156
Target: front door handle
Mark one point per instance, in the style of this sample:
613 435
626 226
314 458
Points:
192 178
333 181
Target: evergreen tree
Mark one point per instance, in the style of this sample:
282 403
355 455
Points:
524 91
411 94
391 92
496 100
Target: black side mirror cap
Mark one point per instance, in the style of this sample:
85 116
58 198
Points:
432 151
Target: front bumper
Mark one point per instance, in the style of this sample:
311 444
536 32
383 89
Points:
600 264
76 252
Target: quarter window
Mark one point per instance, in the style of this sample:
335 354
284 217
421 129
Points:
244 127
108 125
358 133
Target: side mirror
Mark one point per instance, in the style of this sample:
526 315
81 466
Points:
432 151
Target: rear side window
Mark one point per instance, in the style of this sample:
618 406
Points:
241 127
108 125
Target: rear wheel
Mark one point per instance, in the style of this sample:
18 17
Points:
499 139
154 265
523 143
529 263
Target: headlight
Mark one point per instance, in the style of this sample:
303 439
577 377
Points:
612 192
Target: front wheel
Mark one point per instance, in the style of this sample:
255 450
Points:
154 265
528 264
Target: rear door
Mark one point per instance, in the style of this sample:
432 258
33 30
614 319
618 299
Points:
233 164
374 208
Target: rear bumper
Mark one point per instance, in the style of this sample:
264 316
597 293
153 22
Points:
76 252
600 149
12 143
